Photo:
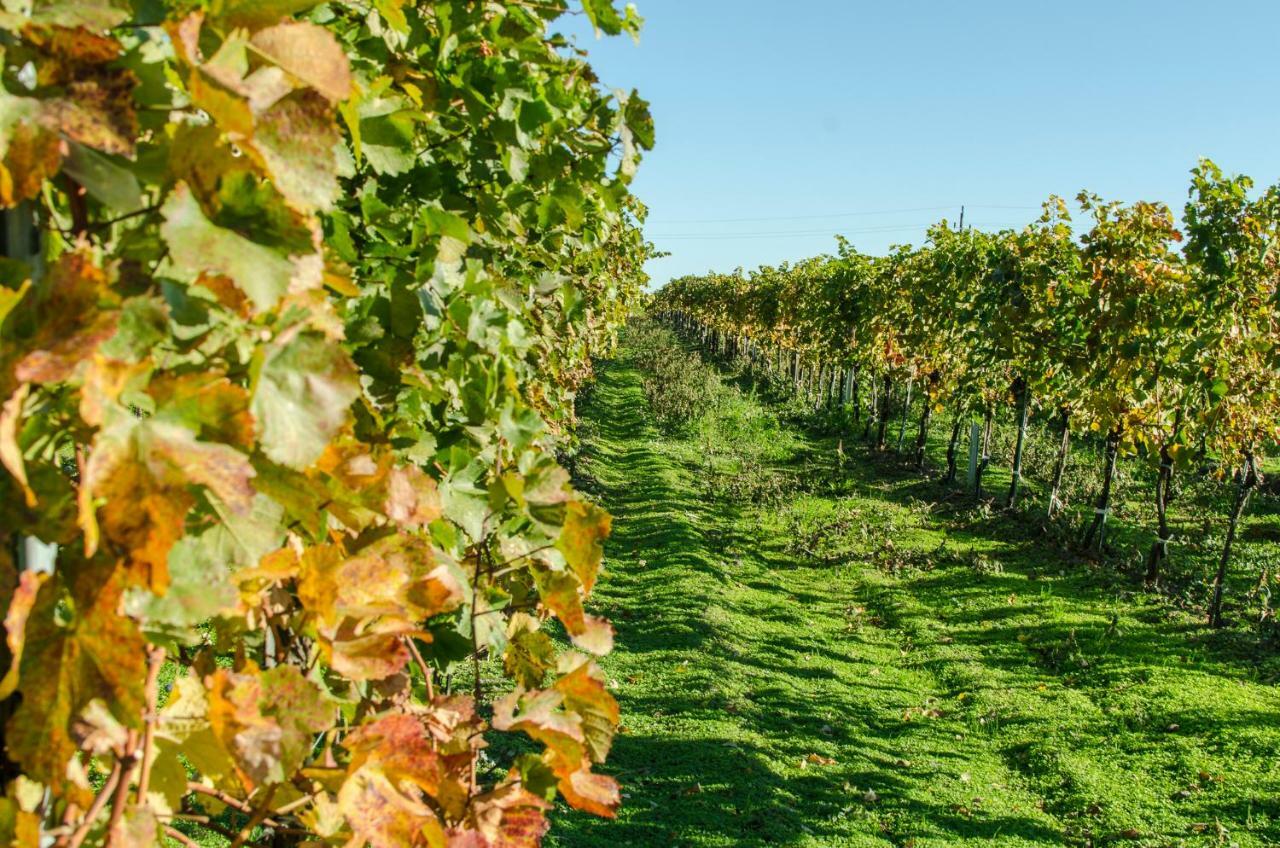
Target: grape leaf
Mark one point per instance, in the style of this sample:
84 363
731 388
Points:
197 247
95 653
301 401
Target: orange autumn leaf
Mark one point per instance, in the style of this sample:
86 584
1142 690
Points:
142 470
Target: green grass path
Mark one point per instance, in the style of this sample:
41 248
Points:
928 684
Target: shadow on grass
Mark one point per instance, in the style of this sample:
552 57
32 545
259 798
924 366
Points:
726 712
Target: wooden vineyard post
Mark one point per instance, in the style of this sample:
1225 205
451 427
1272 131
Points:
975 440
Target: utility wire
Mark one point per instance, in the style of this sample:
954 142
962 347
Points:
829 215
807 233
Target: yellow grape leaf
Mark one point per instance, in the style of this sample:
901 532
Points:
561 593
583 688
256 13
267 720
9 298
105 381
575 721
530 653
19 827
184 726
168 778
290 135
90 14
137 828
540 714
75 652
594 793
207 404
365 604
585 528
294 141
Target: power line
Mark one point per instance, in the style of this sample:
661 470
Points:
807 233
829 215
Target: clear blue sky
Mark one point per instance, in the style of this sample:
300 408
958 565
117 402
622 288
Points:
796 114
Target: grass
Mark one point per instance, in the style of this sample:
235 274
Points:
816 647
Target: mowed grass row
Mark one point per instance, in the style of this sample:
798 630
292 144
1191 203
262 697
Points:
814 648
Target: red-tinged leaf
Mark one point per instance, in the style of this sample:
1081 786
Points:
400 747
96 107
399 758
381 815
267 720
585 528
309 53
594 793
78 648
73 322
97 113
507 817
142 468
15 626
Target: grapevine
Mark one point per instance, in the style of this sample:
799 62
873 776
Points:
285 370
1166 354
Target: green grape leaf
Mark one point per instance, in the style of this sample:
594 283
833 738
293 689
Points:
302 398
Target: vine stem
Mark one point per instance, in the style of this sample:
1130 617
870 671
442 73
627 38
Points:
108 789
120 798
229 800
259 816
422 666
155 659
178 836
